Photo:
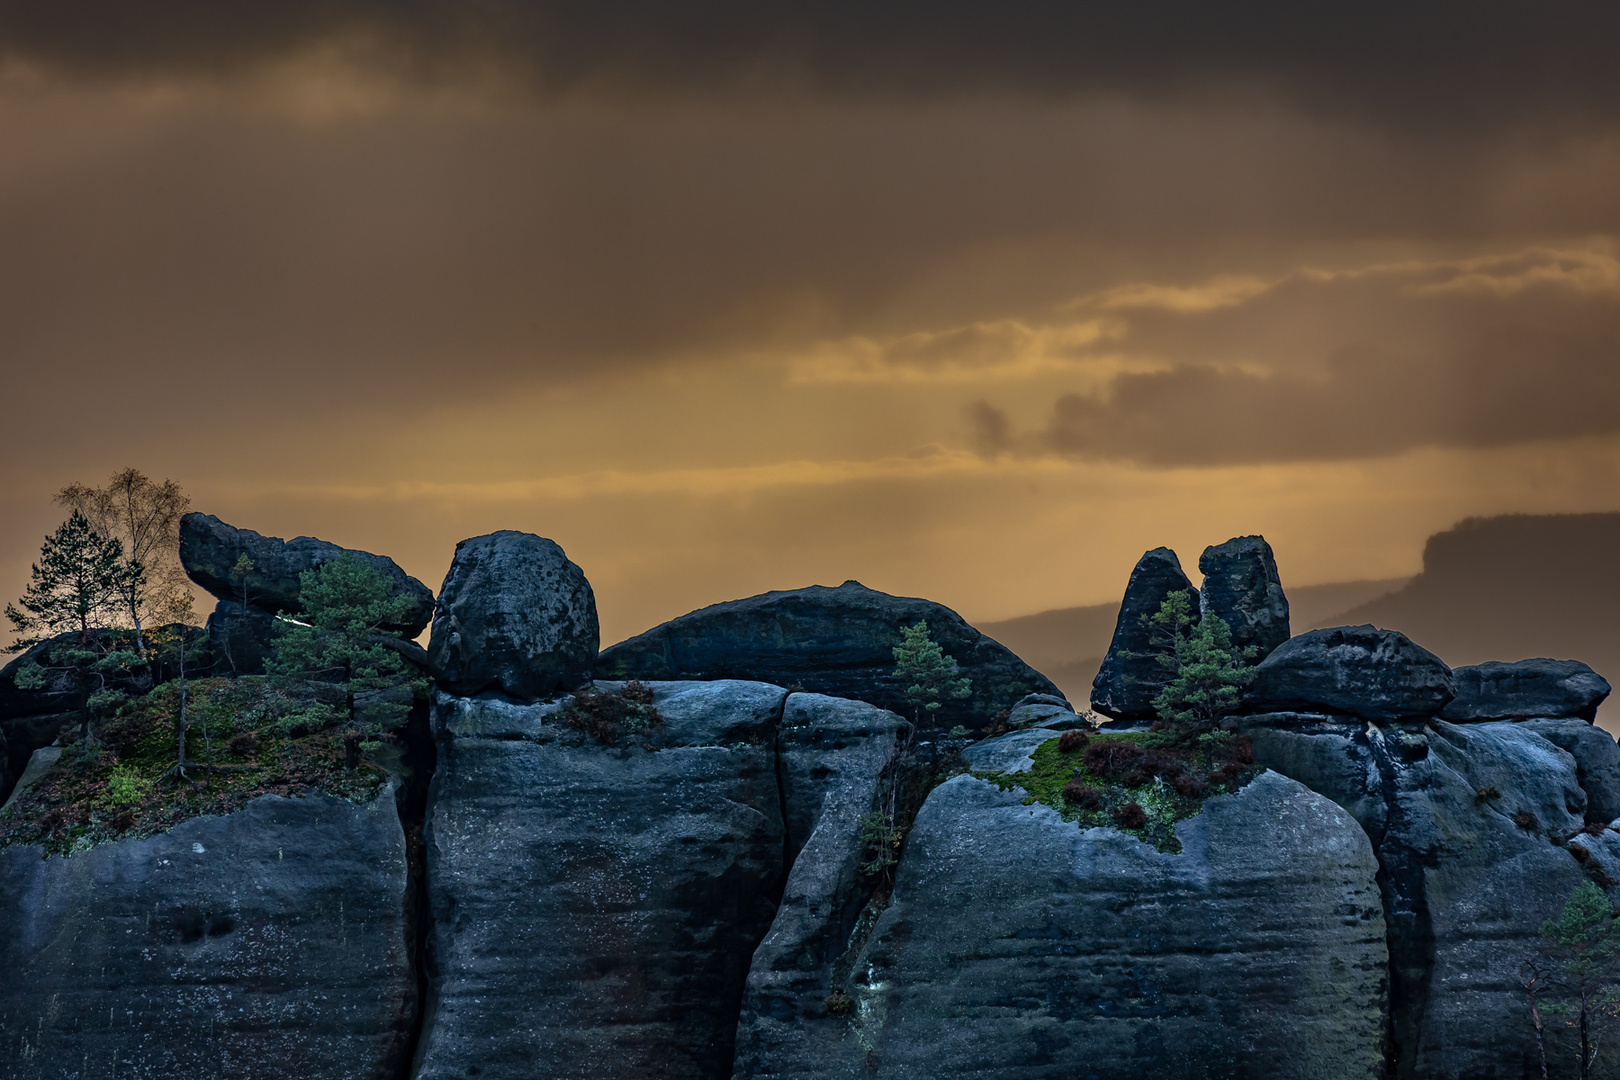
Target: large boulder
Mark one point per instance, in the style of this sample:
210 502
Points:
1019 945
1541 688
595 907
832 758
514 616
275 941
838 642
1131 675
1466 823
1242 588
1361 671
209 549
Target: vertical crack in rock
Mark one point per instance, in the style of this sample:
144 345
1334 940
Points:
1410 928
412 797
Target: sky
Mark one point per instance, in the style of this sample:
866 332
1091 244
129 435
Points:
972 302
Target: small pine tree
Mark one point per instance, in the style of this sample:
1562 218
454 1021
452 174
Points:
80 579
345 603
930 676
1207 673
1584 942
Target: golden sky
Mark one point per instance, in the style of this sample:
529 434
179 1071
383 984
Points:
972 302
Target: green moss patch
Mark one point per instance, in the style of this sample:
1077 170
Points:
120 786
1142 783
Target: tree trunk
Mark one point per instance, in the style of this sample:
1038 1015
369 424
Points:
1586 1034
1541 1040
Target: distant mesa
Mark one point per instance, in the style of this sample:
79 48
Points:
838 641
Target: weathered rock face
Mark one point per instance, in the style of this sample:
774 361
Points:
1018 945
1597 763
240 639
1131 675
1466 888
209 549
1539 688
832 755
829 641
1361 671
270 942
596 908
1242 588
515 616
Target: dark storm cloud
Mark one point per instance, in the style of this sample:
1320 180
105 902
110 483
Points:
1486 352
1397 59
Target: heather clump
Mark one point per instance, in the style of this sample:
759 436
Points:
1142 782
609 715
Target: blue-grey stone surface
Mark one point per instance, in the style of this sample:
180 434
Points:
272 942
838 642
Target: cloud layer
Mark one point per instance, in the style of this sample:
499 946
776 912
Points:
1401 62
1372 361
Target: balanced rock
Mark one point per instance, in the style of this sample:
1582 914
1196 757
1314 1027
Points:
1019 945
209 550
595 907
838 642
1545 688
1465 822
1131 675
516 616
274 941
1361 671
1242 588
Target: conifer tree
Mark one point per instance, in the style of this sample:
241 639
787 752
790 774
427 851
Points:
930 676
145 517
345 603
1584 942
80 579
1207 673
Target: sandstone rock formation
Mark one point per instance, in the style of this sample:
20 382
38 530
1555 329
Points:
1131 675
828 641
1042 710
594 905
1465 822
514 615
240 639
269 942
1597 762
1540 687
1019 945
1242 588
1360 671
209 549
832 759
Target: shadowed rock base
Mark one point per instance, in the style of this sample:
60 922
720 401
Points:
1019 946
267 943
